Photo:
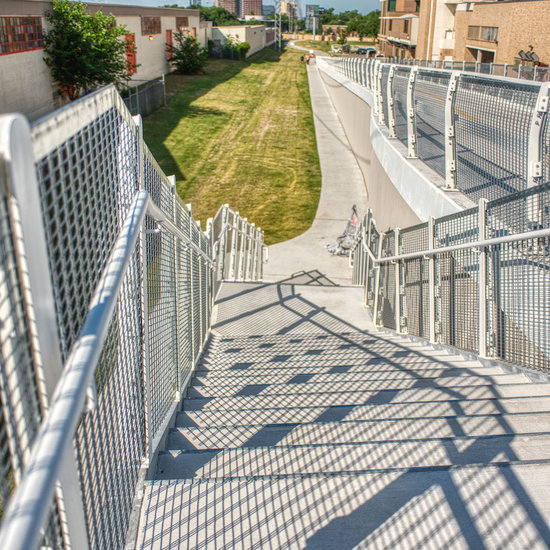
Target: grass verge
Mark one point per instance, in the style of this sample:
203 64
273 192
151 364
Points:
243 134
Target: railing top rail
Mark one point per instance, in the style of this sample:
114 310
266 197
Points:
472 74
484 243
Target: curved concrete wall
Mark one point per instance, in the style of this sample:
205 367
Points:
401 191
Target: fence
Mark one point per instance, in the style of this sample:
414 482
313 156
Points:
487 136
145 99
478 279
526 72
104 315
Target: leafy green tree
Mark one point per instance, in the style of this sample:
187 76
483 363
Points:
219 16
84 51
186 54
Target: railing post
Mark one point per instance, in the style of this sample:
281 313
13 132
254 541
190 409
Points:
535 153
233 255
368 260
379 98
377 282
202 321
482 278
397 310
450 138
411 115
431 280
389 95
172 181
192 283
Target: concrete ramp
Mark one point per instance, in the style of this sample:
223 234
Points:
306 428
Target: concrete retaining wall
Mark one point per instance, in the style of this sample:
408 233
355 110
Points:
401 191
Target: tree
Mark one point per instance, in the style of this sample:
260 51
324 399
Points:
84 51
186 54
219 16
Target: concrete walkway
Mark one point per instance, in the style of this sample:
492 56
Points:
304 259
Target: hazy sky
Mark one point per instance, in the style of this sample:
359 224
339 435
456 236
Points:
362 6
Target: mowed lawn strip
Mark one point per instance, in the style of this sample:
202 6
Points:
243 134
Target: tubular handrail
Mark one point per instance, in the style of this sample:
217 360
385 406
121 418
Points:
30 504
514 237
155 212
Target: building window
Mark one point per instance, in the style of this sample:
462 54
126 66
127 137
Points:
182 23
20 34
490 34
391 5
390 25
130 54
150 25
406 26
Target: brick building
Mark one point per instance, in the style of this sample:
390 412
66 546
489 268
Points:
241 7
510 31
26 85
399 28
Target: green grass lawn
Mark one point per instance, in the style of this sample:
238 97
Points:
325 45
242 134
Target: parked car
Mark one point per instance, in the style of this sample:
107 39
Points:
369 52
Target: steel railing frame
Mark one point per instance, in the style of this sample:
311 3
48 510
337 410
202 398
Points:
484 248
69 388
455 173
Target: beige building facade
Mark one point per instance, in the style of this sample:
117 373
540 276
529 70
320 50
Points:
503 32
257 36
399 28
26 85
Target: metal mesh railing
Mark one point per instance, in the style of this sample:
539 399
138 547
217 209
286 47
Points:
492 135
90 163
430 94
400 84
478 280
485 135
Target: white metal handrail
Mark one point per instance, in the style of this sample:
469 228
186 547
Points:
536 234
30 504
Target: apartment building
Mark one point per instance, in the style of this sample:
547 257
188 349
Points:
290 9
509 31
26 85
399 28
312 12
241 7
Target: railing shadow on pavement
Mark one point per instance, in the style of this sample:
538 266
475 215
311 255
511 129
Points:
417 478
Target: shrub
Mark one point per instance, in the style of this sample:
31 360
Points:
243 48
187 55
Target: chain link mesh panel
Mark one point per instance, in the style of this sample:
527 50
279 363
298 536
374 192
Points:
430 93
456 281
21 394
110 440
492 127
519 279
399 92
415 308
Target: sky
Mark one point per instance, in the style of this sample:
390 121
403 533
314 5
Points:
362 6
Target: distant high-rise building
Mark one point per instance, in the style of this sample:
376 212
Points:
312 11
290 9
241 7
268 9
251 7
230 5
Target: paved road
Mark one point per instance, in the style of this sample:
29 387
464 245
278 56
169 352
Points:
342 187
